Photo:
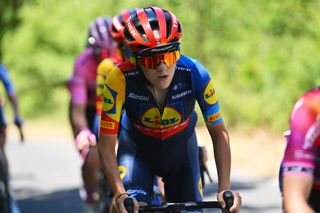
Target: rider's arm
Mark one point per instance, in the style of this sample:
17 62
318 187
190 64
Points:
78 117
15 106
208 102
4 75
109 124
296 190
78 87
222 154
106 148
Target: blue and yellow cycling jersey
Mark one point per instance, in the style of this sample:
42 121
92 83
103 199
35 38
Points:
126 89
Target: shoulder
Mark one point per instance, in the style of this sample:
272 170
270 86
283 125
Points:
190 64
85 56
105 66
3 71
128 66
3 68
309 102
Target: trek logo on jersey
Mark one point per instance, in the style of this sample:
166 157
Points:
122 171
214 117
152 119
209 94
109 100
200 188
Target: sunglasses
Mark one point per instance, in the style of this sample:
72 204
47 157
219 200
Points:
151 62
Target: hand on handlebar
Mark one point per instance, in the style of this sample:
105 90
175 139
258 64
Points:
123 203
84 140
230 200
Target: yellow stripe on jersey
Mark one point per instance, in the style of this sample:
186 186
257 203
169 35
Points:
114 95
103 69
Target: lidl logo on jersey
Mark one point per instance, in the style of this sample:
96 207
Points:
209 94
122 171
152 118
109 100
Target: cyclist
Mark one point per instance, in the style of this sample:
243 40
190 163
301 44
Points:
300 168
18 121
158 89
82 86
115 30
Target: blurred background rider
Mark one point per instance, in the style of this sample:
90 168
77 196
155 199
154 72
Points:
82 86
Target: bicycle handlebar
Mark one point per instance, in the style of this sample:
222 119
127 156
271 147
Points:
174 207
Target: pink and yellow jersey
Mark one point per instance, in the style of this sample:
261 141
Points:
302 154
126 89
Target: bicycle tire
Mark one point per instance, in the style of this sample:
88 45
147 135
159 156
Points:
5 199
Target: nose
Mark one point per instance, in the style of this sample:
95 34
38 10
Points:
162 67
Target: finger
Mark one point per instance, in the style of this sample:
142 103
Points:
237 203
120 206
136 206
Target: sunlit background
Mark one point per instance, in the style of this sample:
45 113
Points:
262 55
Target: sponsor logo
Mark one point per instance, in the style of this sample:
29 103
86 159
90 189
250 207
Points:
183 68
312 134
200 187
162 49
152 119
108 100
180 95
131 29
299 154
209 94
122 171
131 73
107 124
214 117
138 97
135 192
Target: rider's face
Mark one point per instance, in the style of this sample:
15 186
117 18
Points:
161 76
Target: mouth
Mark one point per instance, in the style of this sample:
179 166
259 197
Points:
163 77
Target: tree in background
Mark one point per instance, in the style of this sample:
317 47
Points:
264 54
9 18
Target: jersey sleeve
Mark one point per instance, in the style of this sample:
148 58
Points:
113 100
104 68
300 153
77 83
206 95
4 75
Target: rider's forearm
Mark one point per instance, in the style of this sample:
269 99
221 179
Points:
296 191
222 154
14 104
297 206
106 148
78 117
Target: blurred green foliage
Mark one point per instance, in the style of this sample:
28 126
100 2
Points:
261 54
